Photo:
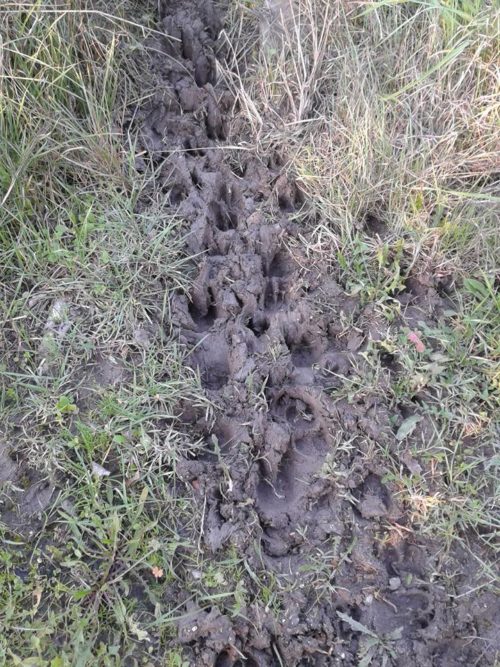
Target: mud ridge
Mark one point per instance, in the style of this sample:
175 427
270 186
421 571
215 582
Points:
288 471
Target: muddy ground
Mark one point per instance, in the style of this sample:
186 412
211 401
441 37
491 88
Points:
293 473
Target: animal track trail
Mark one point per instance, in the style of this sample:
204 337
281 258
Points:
245 301
248 300
281 471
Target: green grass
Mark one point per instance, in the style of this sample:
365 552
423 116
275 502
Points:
389 111
88 258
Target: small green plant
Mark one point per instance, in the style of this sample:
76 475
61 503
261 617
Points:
65 406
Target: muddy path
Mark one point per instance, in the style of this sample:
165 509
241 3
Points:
291 470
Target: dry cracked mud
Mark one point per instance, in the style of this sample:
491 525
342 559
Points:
289 473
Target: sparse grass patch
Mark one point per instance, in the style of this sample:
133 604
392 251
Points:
90 377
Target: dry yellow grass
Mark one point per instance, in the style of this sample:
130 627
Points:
387 108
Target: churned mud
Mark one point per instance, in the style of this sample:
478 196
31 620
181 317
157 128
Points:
291 471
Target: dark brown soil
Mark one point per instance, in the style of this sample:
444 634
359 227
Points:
290 476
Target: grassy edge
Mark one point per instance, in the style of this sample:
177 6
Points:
89 397
389 114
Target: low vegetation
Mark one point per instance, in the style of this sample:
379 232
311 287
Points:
389 113
88 257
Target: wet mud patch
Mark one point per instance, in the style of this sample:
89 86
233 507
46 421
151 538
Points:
290 472
24 493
